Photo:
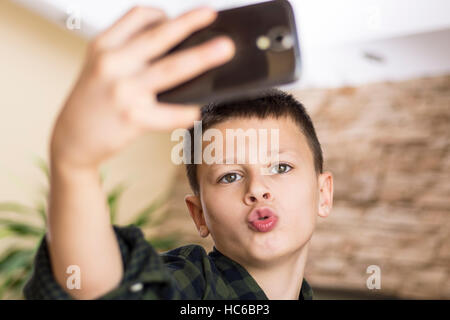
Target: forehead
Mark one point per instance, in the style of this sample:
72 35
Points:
291 140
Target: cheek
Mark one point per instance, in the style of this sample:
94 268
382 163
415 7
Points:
223 212
299 203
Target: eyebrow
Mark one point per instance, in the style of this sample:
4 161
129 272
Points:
281 151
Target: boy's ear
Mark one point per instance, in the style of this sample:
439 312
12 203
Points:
195 210
325 194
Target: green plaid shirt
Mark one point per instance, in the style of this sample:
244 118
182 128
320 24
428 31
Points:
187 272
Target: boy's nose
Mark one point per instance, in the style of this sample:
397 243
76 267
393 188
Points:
258 189
252 197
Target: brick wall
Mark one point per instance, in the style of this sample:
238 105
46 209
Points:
387 146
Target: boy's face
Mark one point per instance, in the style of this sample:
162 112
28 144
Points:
229 193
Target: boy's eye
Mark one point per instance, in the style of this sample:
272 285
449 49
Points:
279 168
228 178
284 168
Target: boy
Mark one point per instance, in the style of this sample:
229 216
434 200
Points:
261 219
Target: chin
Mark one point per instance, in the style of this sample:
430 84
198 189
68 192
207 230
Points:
266 251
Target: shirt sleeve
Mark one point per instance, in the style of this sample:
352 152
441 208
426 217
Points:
144 272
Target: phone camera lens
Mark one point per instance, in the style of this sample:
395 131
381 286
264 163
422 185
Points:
280 39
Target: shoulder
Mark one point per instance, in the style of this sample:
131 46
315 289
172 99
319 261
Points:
129 234
133 244
132 237
188 254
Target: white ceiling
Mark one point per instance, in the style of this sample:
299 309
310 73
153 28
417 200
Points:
344 42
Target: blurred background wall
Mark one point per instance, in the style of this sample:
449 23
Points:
386 143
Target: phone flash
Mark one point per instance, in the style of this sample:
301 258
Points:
263 42
287 42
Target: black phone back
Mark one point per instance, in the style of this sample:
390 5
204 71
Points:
267 54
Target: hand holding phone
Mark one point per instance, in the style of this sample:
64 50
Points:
114 100
267 54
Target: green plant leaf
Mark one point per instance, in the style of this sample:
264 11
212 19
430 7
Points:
160 219
22 278
14 283
16 259
5 232
21 229
16 207
113 200
16 266
44 192
41 209
103 174
42 164
5 286
143 217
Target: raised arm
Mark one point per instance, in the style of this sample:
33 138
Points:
112 103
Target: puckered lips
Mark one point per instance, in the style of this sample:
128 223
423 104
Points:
262 219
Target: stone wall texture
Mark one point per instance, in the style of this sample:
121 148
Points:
387 145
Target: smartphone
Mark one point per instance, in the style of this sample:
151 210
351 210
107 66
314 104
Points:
267 55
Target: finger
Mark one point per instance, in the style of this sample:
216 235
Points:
182 66
130 23
161 38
